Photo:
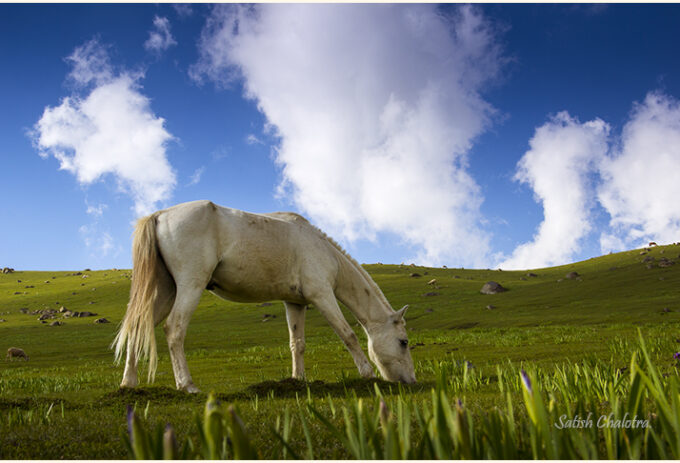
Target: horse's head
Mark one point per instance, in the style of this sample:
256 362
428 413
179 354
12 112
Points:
388 348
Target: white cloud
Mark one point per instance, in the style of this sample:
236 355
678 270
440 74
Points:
196 176
640 187
252 139
109 131
96 211
183 10
160 38
563 154
90 64
100 244
376 107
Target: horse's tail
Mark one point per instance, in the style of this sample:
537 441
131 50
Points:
149 293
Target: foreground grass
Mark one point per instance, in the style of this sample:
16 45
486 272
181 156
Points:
64 402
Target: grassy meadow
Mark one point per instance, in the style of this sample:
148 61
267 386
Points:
65 403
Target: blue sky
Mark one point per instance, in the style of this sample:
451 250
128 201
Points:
517 136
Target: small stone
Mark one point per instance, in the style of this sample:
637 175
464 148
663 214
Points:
102 320
432 293
490 307
415 275
531 274
56 323
572 275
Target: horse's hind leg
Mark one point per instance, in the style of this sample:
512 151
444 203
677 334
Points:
176 325
295 314
130 373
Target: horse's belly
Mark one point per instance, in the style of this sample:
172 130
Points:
233 286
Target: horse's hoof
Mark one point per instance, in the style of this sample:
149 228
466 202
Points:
190 388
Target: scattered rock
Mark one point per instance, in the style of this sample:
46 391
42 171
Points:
17 292
30 286
491 287
2 320
91 302
531 274
648 259
86 276
663 262
613 268
77 274
522 279
7 270
63 309
47 281
268 315
429 310
45 316
642 253
415 275
102 320
23 310
432 293
86 314
572 275
666 310
18 281
432 281
456 277
650 266
87 270
490 307
56 323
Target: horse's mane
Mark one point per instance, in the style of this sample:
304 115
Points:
297 217
362 271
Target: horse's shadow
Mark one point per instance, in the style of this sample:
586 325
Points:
350 387
284 388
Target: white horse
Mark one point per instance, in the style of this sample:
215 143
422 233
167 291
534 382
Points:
180 251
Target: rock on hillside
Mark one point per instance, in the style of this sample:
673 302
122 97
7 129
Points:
491 287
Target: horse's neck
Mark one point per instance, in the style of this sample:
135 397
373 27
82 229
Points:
361 294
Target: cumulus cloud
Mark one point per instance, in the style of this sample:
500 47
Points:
640 187
563 157
160 38
376 108
110 130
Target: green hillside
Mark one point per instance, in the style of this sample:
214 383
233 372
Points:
234 348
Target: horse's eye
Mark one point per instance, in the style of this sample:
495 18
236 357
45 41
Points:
403 342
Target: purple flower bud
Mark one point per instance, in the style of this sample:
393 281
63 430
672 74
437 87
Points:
130 417
676 356
526 381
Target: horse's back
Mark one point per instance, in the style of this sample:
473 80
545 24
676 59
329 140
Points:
248 257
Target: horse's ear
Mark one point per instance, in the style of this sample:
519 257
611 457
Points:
399 314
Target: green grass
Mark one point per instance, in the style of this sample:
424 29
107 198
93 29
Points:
64 402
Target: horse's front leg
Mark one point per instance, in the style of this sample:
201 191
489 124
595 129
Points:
328 306
295 315
175 327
